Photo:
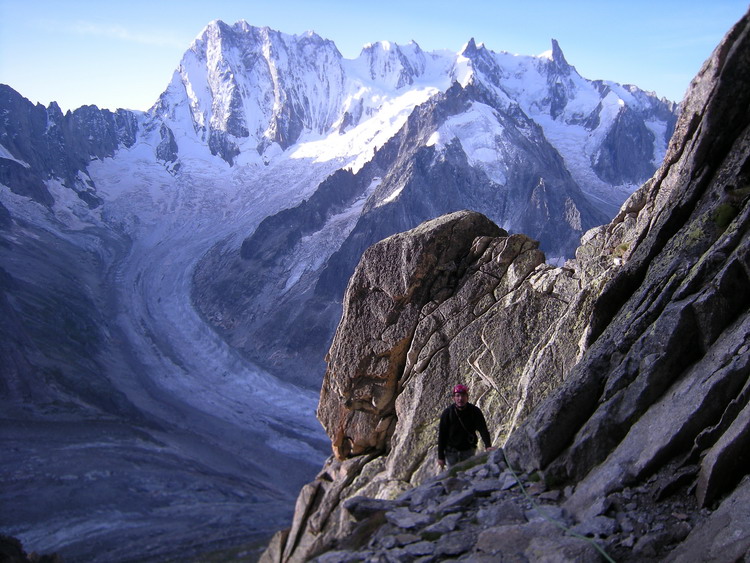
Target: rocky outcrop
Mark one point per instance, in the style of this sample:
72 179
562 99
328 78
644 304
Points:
464 301
461 301
357 404
620 380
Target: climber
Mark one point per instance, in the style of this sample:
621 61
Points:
457 433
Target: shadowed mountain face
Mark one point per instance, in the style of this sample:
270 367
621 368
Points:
619 382
170 280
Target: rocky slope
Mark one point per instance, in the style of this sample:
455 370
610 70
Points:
619 381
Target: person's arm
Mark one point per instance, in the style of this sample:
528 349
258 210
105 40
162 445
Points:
483 431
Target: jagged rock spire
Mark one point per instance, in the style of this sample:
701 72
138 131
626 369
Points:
557 55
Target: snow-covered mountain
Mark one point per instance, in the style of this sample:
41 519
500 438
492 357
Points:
409 136
173 277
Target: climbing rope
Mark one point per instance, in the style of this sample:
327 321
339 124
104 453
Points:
549 518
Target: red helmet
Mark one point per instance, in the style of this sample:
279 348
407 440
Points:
460 389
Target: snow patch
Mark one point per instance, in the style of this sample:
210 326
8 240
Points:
479 132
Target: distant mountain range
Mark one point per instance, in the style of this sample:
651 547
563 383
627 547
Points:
335 154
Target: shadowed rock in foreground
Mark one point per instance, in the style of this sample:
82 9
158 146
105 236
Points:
619 383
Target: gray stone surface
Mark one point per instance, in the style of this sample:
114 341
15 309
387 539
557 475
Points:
724 536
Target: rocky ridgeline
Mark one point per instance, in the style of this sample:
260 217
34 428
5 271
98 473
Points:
620 381
482 511
11 551
47 144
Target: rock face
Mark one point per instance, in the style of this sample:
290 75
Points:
357 404
620 380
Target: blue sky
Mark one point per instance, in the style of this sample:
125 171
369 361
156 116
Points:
123 54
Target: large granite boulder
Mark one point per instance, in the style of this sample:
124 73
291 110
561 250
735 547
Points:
456 299
383 305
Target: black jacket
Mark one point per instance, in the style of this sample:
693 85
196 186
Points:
453 434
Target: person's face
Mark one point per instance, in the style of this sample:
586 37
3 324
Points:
460 399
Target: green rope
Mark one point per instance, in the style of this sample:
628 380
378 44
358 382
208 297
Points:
549 518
